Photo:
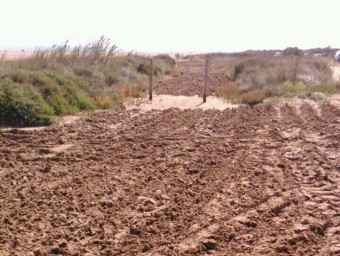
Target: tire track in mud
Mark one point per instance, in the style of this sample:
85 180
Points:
197 235
248 231
327 194
192 182
225 199
315 171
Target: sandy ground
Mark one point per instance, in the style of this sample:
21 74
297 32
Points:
64 120
15 55
335 100
161 102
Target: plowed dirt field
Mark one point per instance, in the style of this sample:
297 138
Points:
190 80
244 181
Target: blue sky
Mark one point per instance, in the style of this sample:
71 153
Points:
172 25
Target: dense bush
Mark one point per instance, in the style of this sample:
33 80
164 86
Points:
287 75
62 80
293 51
237 70
230 92
266 69
22 106
143 69
166 59
253 97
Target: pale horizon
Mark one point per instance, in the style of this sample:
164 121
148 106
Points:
171 26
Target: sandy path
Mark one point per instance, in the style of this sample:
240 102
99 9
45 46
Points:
63 120
161 102
15 55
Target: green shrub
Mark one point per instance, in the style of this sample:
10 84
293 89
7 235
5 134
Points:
17 75
337 85
230 92
293 51
164 58
300 89
143 69
39 78
290 89
324 88
317 96
19 106
238 68
110 79
83 71
76 99
280 76
58 79
62 80
103 102
272 74
161 68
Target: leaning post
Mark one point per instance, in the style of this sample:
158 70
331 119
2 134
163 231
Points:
205 80
150 79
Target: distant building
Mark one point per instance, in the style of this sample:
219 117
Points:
337 56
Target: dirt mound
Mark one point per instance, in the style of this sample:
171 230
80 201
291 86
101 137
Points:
250 180
190 80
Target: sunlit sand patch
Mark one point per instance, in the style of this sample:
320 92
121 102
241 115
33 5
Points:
161 102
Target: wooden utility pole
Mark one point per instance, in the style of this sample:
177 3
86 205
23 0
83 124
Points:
150 79
205 80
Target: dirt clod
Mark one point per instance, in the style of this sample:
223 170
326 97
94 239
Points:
46 169
209 245
135 231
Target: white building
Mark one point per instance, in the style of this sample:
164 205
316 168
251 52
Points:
337 56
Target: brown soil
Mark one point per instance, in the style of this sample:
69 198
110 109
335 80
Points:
190 80
258 181
244 181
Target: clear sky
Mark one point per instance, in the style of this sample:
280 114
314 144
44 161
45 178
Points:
172 25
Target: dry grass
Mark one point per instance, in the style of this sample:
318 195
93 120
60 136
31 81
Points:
268 75
230 92
64 80
253 97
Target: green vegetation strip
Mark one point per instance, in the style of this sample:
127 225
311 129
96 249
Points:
61 81
264 75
